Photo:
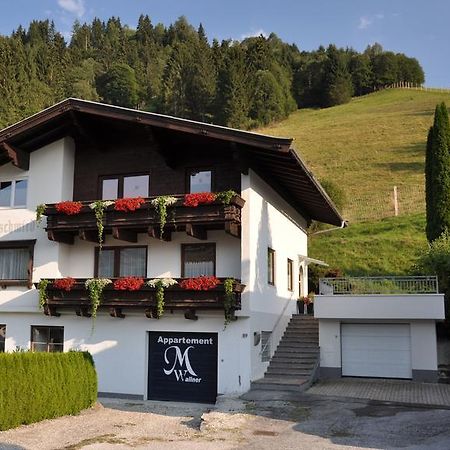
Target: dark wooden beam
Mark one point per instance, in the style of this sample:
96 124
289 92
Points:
233 229
117 313
154 232
50 310
65 237
123 234
88 235
18 157
83 311
196 231
190 314
151 313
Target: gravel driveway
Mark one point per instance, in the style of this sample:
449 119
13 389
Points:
261 420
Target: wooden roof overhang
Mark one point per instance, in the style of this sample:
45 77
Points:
271 157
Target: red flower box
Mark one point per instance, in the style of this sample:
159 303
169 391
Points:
128 204
200 283
65 284
69 208
199 198
128 284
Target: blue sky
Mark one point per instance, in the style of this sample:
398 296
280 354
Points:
416 27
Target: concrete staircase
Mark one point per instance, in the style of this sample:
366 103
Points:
294 365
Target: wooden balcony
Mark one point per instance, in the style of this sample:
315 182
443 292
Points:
125 226
175 299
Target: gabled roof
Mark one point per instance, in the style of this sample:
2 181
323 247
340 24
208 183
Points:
271 157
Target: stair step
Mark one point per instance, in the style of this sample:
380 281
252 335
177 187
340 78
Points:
291 365
293 372
303 333
294 358
291 340
305 346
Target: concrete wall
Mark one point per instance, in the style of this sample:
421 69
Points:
423 347
425 306
268 221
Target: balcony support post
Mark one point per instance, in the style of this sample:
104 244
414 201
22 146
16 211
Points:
196 231
124 235
64 237
88 235
190 314
117 313
154 232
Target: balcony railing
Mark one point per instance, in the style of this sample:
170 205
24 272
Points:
195 221
143 299
378 285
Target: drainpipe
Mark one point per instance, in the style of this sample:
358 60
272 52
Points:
343 225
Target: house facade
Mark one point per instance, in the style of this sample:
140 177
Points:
245 241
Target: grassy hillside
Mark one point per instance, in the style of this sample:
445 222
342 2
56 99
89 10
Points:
387 246
367 147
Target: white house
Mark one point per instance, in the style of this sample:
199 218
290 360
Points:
81 151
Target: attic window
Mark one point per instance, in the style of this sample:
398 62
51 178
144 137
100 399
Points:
13 193
200 181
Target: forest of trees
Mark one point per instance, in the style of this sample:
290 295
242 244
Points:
176 70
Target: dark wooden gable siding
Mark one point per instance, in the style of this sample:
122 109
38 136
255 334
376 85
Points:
165 156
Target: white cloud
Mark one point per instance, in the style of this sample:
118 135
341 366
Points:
73 6
366 21
255 33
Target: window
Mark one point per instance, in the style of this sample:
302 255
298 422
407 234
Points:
200 181
300 282
13 193
198 260
2 338
47 339
113 262
125 186
271 266
265 346
16 262
290 274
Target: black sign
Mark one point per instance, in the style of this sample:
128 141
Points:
183 367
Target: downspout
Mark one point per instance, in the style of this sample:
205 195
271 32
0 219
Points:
343 225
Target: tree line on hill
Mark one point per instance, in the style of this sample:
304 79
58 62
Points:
177 71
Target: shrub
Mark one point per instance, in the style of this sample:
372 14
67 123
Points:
38 386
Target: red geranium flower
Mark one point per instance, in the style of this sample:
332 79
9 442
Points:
69 208
200 283
128 204
128 284
199 198
65 284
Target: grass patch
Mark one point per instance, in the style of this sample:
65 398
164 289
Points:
368 146
385 247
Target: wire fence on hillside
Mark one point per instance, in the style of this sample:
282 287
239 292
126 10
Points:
415 86
397 201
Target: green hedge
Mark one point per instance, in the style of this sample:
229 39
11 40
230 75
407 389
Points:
37 386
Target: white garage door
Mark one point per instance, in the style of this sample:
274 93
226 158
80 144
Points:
376 350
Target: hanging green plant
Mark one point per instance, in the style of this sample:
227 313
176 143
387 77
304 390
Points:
225 196
95 287
160 204
229 303
42 287
99 208
40 211
160 284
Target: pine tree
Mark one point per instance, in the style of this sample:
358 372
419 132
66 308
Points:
338 82
438 175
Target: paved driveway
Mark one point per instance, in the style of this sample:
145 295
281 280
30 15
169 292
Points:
398 391
262 420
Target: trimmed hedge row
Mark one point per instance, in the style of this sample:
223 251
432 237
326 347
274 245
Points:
37 386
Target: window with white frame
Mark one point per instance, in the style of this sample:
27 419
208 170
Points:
13 193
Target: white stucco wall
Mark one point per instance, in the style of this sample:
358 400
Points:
424 306
120 346
268 221
423 342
